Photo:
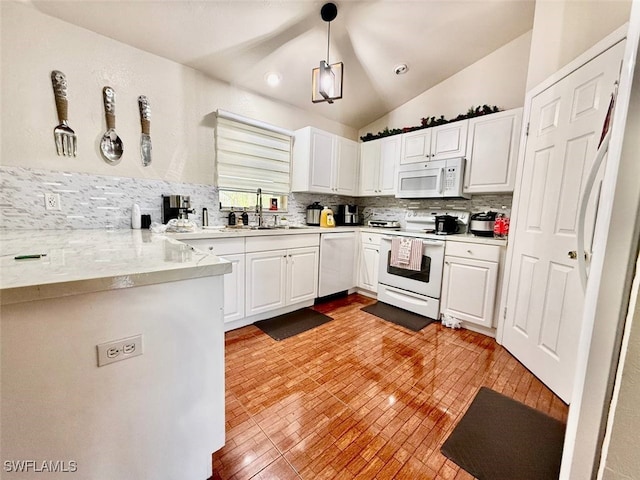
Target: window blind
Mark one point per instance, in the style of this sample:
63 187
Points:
252 155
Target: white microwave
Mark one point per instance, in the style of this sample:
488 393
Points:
432 179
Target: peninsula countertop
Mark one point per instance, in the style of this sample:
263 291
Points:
73 262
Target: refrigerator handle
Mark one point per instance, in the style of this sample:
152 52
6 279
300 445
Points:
603 147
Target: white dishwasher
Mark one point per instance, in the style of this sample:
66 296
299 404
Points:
337 262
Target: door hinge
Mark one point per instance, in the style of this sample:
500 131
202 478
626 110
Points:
526 133
504 315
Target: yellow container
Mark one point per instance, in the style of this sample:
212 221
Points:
326 218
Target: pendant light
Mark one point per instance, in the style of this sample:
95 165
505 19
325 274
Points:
326 80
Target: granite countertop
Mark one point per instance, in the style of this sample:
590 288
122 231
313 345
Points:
84 261
209 233
461 237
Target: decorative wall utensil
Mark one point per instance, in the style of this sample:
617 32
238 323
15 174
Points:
65 137
145 137
111 145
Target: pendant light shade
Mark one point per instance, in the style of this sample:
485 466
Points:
326 80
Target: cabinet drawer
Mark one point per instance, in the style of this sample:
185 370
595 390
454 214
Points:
219 246
490 253
370 238
281 242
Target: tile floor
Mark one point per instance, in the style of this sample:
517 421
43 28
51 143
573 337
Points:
359 398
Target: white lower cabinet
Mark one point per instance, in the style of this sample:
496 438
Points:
369 261
234 289
470 283
279 278
231 249
266 281
302 275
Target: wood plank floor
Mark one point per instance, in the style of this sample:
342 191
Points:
359 397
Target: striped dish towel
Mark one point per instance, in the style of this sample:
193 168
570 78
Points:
406 253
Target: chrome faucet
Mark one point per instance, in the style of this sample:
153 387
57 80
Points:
259 207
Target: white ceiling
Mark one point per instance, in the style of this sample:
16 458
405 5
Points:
239 41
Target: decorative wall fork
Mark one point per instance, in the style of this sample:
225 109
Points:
66 142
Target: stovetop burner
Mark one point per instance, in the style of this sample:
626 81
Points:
425 221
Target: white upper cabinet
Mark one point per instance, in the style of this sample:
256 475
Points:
324 163
346 171
492 150
379 161
435 143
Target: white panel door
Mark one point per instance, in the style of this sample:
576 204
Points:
302 274
266 280
545 298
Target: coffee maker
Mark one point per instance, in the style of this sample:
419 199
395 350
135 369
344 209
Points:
175 206
347 215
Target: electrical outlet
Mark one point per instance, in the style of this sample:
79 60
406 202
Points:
117 350
52 201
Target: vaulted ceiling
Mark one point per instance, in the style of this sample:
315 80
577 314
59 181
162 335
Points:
241 41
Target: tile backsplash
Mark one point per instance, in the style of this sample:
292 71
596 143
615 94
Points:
97 201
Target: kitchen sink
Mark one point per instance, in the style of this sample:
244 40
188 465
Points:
279 227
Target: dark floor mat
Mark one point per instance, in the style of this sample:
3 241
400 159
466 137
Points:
499 438
290 324
399 316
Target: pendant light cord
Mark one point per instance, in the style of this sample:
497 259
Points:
328 39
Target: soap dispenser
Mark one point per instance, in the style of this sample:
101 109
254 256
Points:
232 218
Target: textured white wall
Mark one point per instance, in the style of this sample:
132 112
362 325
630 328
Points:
563 29
497 79
182 102
622 460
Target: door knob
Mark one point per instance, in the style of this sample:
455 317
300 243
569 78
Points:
572 254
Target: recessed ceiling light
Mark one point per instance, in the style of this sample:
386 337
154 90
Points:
273 79
401 69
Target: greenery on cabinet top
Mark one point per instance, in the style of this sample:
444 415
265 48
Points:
429 122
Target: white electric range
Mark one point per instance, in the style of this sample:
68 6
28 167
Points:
417 290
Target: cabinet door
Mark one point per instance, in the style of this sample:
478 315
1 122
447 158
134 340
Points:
302 274
266 278
369 167
369 263
416 146
322 161
346 169
469 290
234 297
449 140
389 161
492 150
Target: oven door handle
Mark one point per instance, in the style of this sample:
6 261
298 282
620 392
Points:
425 241
433 243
